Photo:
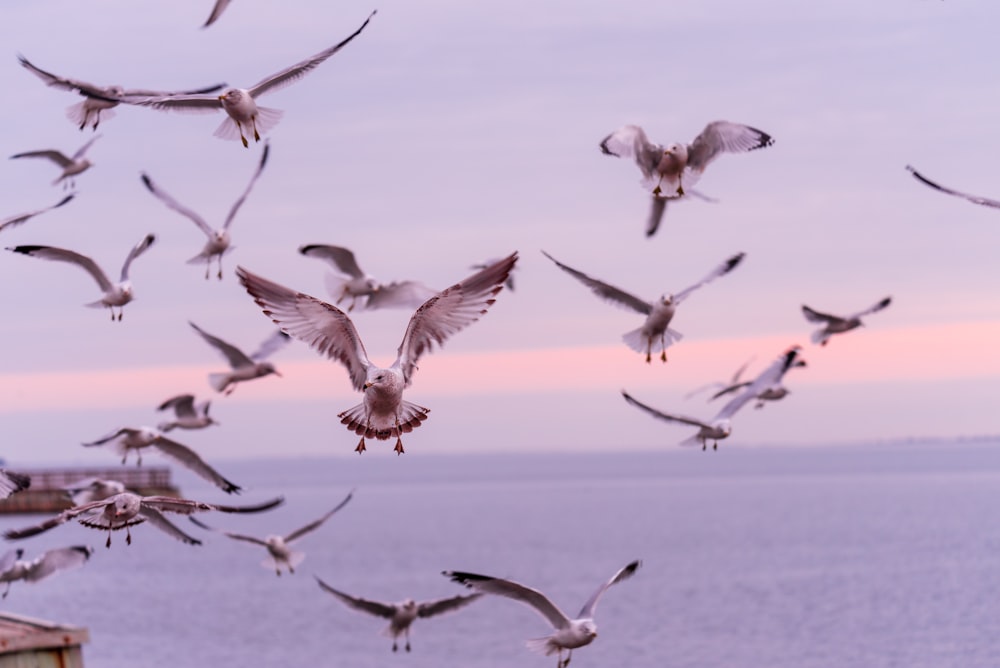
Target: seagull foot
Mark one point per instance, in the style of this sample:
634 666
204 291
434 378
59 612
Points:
399 446
663 356
657 191
680 191
361 446
244 139
649 357
407 647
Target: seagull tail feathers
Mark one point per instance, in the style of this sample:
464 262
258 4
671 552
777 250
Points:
542 645
82 116
218 381
638 341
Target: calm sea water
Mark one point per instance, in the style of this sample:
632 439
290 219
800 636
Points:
819 557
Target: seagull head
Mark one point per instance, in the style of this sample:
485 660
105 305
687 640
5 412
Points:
667 299
588 628
408 604
266 369
677 150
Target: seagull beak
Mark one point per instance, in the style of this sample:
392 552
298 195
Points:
367 385
222 97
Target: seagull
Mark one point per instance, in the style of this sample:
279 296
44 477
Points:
383 413
115 294
125 510
361 286
98 100
975 199
70 166
131 439
217 9
721 386
278 550
218 243
668 171
92 489
49 563
24 217
767 385
719 428
188 415
11 482
570 633
240 104
655 330
834 324
242 367
401 615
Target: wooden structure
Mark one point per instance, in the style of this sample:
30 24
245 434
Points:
47 491
33 643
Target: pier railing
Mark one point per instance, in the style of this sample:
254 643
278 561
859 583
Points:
47 492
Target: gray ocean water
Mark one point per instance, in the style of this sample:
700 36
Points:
886 555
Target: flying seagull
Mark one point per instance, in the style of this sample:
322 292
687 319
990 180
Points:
768 383
115 294
835 324
99 100
125 510
655 331
359 286
187 414
240 104
218 243
129 439
279 547
24 217
49 563
975 199
569 633
92 489
242 367
402 614
383 413
70 166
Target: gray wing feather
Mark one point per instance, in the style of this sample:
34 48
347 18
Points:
724 137
442 605
376 608
625 573
605 291
518 592
54 561
136 251
72 257
298 533
190 459
24 217
721 270
164 197
253 180
341 258
236 357
975 199
681 419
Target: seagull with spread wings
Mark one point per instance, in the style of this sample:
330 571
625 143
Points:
47 564
655 331
219 242
384 413
359 286
240 104
975 199
77 164
115 294
187 414
768 385
569 633
835 324
126 510
242 367
278 547
99 101
25 217
401 615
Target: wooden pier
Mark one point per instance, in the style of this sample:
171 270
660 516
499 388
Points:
47 493
32 642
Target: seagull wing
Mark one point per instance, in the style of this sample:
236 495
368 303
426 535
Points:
83 149
588 609
253 180
65 83
721 270
61 518
182 405
11 482
190 459
55 156
874 308
236 357
376 608
175 205
197 103
604 291
188 506
271 345
298 533
442 605
235 536
220 6
490 585
163 524
450 311
8 559
341 258
136 251
724 137
63 255
21 218
404 294
112 436
815 316
975 199
54 561
297 71
323 326
680 419
630 141
657 207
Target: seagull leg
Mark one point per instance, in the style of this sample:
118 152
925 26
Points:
277 571
108 543
361 446
128 535
208 269
220 266
715 445
394 646
256 135
7 590
399 446
120 311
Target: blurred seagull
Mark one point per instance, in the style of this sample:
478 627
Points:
719 386
668 171
99 100
570 633
655 330
115 294
361 286
975 199
218 243
92 489
278 547
242 367
401 615
834 324
217 9
241 103
383 413
11 482
188 415
70 166
767 386
719 428
24 217
129 439
49 563
125 510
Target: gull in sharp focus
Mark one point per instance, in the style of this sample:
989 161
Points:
383 413
115 294
70 166
768 385
98 101
669 173
655 331
24 217
401 615
49 563
129 439
242 367
359 286
218 243
187 414
975 199
125 510
835 324
92 489
240 104
279 549
569 633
